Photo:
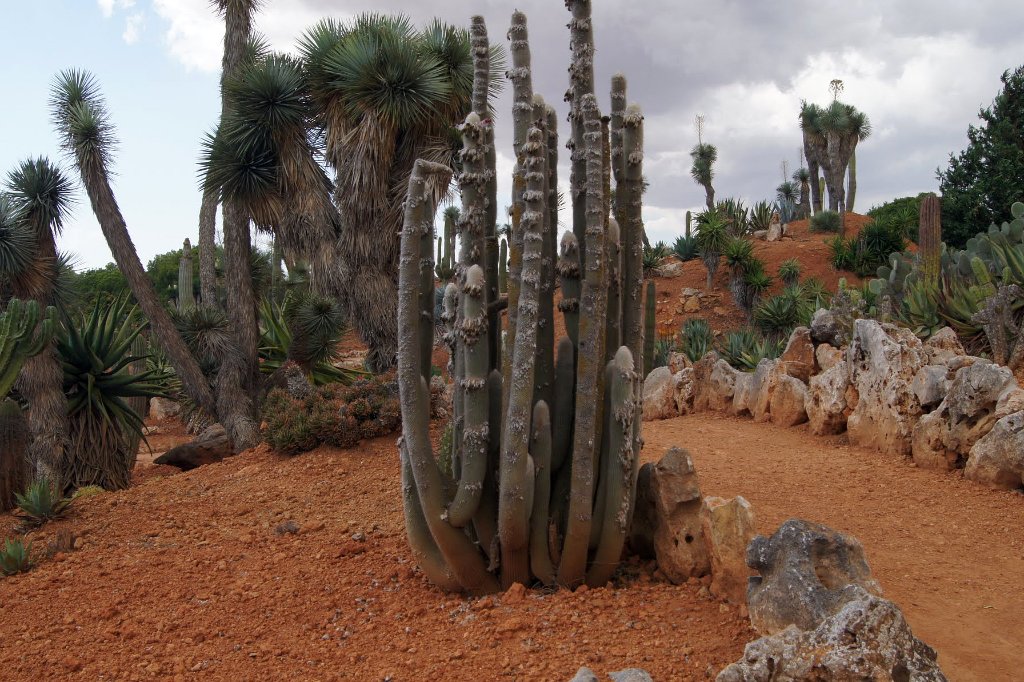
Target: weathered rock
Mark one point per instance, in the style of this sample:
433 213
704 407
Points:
692 305
1011 400
788 402
867 639
659 395
631 675
743 390
702 370
798 358
957 362
728 527
667 519
943 439
684 390
585 675
212 445
678 361
760 234
763 385
826 329
997 459
882 361
721 383
670 268
163 408
807 572
826 406
828 356
290 378
774 232
930 385
943 345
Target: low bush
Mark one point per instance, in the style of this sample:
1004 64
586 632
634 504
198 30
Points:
685 247
825 221
335 415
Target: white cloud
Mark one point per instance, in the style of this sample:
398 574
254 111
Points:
133 27
108 6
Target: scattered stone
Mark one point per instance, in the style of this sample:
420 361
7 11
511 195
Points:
688 291
828 356
670 268
212 445
584 675
667 519
728 527
867 639
761 234
718 393
997 459
692 305
943 439
825 328
514 594
930 385
741 394
684 390
883 360
798 358
788 402
631 675
163 408
659 395
289 527
807 572
826 406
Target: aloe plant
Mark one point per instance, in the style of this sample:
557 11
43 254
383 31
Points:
15 556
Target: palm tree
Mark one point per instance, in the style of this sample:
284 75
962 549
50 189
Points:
42 194
704 157
814 149
87 135
384 94
803 177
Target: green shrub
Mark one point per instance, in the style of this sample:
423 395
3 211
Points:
825 221
41 503
685 247
901 215
335 415
697 339
15 556
745 348
663 347
653 256
789 271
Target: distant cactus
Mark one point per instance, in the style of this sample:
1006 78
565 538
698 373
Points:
929 239
545 452
650 307
186 295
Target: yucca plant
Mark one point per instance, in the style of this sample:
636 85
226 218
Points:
303 314
712 239
777 316
840 253
653 256
663 348
761 216
755 283
206 332
733 345
696 339
789 271
98 381
685 247
15 557
41 503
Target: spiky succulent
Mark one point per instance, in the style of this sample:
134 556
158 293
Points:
41 503
789 271
15 556
696 339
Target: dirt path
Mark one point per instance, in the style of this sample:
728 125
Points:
949 552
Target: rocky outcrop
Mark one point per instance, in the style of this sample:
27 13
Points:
828 356
702 370
997 459
667 518
930 385
882 361
825 328
212 445
943 438
788 402
728 527
807 573
720 387
763 385
826 406
867 639
659 395
742 391
943 345
798 357
684 390
163 408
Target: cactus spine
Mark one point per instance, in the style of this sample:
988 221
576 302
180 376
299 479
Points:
543 482
186 296
930 238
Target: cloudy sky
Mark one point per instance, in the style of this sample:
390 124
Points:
920 70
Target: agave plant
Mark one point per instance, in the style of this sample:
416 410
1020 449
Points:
685 247
712 239
755 283
41 503
761 216
789 271
696 339
15 556
98 382
653 255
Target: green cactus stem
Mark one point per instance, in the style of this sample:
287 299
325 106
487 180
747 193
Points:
485 522
613 338
540 450
930 238
689 218
569 273
503 267
650 306
581 83
632 230
186 296
565 402
20 340
424 550
516 476
544 384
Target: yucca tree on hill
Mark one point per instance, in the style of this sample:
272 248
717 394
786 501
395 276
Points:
802 176
831 135
87 135
41 196
703 169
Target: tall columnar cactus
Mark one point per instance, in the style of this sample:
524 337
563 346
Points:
186 295
20 340
930 238
650 306
445 268
581 83
503 267
14 442
543 482
689 218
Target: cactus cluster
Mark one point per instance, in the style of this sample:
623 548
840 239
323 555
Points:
544 444
24 331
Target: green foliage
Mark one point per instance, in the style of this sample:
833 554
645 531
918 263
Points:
745 348
664 346
825 221
20 339
15 557
685 247
163 271
712 239
696 339
738 253
761 216
41 503
868 250
335 415
778 315
207 334
653 256
100 284
899 215
306 329
735 215
789 271
982 181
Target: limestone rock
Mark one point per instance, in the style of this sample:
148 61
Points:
721 384
942 346
827 409
798 358
163 408
930 385
760 234
692 305
763 385
826 329
807 572
670 268
728 527
631 675
882 361
585 675
828 356
774 231
867 639
659 395
702 370
683 389
212 445
787 406
678 361
667 519
997 459
943 439
742 392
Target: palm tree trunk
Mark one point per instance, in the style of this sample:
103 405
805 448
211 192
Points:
709 196
851 194
208 249
812 170
104 205
805 199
